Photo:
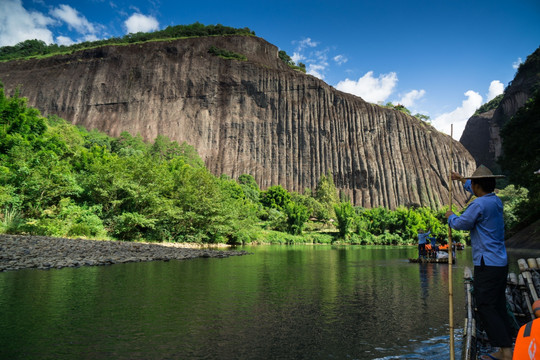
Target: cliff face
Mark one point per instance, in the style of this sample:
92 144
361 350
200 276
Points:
257 117
481 140
482 133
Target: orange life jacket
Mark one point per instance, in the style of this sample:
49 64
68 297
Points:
528 341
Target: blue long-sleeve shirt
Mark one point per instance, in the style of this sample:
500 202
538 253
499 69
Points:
422 238
484 218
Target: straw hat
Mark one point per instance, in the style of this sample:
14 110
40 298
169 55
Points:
483 172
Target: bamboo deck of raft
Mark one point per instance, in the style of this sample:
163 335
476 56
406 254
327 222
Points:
521 292
431 260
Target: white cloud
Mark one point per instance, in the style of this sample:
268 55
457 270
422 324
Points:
297 57
369 88
340 59
306 43
141 23
516 63
317 62
316 70
74 20
410 98
90 37
17 24
495 88
64 40
459 116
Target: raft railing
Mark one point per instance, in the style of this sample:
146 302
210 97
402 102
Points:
521 292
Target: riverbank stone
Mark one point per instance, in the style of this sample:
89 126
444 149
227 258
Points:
44 252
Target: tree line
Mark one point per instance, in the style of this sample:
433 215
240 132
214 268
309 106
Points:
36 47
57 179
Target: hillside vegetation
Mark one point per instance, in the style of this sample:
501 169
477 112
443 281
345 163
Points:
521 157
37 48
34 48
60 180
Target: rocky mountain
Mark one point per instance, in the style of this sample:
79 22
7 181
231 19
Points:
481 135
257 116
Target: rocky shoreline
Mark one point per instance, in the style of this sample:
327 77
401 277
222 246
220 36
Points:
43 252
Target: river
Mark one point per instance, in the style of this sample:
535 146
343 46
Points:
282 302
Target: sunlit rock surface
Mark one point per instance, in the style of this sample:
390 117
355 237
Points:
258 117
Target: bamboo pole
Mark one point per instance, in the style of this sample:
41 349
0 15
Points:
451 252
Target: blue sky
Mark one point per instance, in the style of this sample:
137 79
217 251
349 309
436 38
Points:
441 58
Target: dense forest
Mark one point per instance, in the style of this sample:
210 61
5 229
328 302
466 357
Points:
57 179
521 159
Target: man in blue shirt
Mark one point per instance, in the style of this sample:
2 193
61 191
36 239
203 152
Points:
434 247
484 218
422 240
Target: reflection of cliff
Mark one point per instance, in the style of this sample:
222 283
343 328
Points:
481 135
257 116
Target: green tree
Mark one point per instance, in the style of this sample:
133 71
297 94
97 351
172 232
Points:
57 179
326 193
250 187
275 197
128 145
345 215
513 199
422 117
522 158
297 215
315 208
285 58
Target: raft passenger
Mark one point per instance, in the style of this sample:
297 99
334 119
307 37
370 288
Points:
422 240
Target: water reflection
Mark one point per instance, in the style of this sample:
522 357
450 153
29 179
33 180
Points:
283 302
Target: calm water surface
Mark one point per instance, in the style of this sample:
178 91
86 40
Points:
282 302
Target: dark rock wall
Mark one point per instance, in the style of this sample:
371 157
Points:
482 133
258 117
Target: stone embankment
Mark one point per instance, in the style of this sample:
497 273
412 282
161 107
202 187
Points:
42 252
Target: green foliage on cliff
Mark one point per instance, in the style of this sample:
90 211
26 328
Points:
490 105
521 159
226 54
404 110
289 61
530 68
30 48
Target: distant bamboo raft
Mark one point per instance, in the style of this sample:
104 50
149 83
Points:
431 260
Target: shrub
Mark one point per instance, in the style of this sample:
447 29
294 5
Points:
131 226
277 220
245 236
226 54
319 238
297 215
345 217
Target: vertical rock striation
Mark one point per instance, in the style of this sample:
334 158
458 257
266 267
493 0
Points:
257 117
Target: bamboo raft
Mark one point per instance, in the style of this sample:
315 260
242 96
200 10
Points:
521 292
432 256
431 260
